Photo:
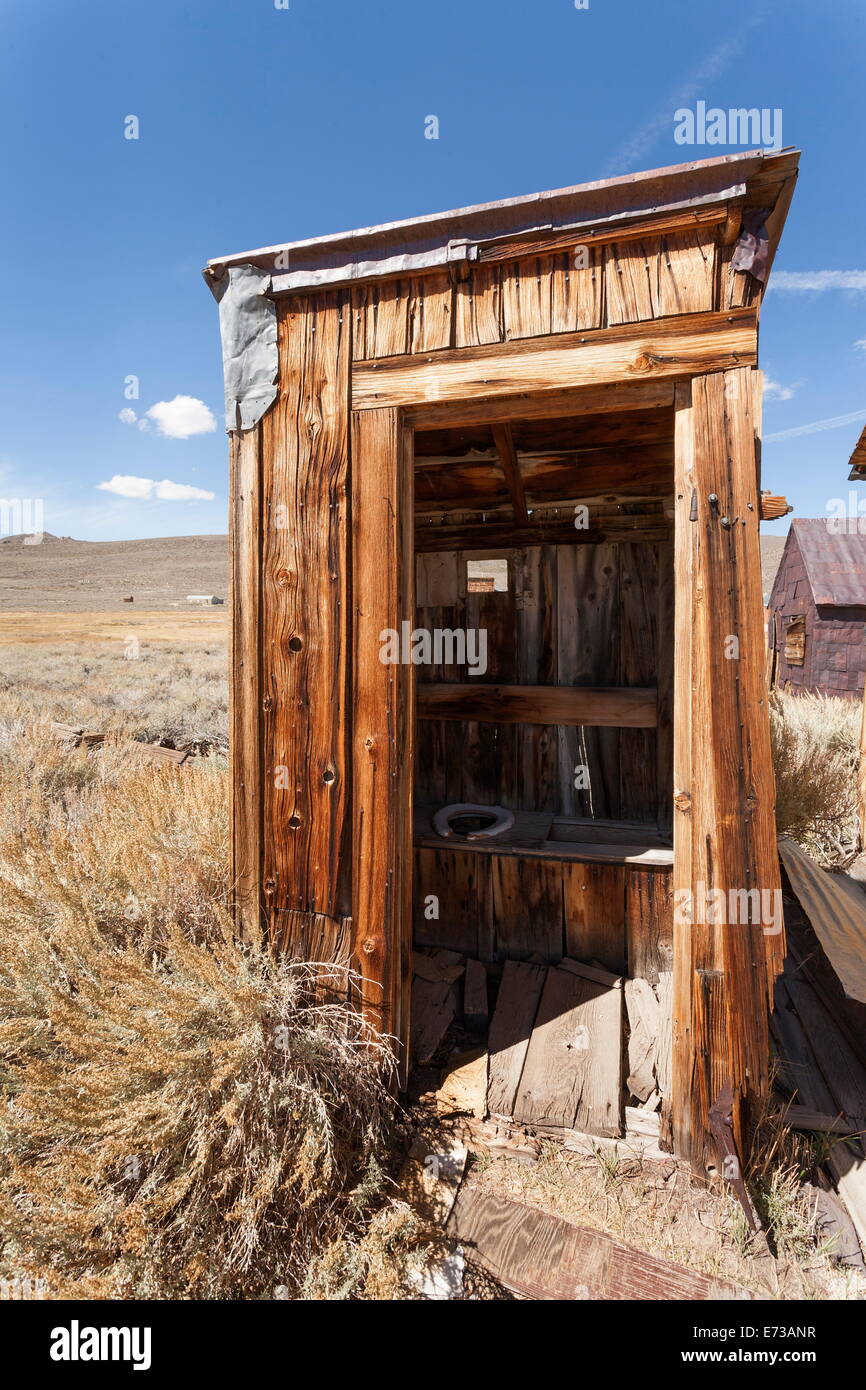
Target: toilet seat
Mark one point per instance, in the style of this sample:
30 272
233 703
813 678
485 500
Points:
503 820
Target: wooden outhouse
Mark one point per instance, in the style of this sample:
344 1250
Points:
494 528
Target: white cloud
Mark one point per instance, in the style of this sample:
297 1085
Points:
127 485
817 426
861 343
127 416
182 492
820 280
144 425
775 391
182 417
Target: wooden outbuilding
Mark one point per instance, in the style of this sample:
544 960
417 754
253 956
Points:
818 608
536 420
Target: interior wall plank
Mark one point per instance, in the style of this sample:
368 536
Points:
638 666
594 910
648 923
527 908
304 614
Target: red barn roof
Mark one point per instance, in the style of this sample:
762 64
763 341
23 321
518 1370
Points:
835 560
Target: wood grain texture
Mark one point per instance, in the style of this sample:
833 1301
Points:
245 751
594 907
674 347
621 707
382 695
544 1257
510 1029
304 614
725 785
572 1075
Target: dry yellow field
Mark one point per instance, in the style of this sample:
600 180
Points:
186 625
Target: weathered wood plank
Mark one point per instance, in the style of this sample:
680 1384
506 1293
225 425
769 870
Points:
382 745
510 1030
552 405
572 1076
674 347
594 905
304 611
621 707
245 752
544 1257
527 908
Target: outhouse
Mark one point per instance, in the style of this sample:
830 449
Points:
498 674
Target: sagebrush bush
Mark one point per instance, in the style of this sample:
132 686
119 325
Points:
181 1115
816 743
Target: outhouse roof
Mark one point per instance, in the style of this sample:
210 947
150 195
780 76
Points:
757 178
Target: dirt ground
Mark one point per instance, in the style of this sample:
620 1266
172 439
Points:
188 625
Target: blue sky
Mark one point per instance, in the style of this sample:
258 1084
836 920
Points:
260 125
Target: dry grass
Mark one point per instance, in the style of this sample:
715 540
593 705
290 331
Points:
179 693
816 741
178 1119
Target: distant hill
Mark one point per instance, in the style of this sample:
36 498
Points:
63 575
95 576
771 555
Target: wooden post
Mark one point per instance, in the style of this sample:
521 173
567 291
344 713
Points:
244 717
726 870
861 776
383 598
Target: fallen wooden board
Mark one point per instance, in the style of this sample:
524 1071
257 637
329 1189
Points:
837 917
572 1076
544 1257
813 1122
510 1029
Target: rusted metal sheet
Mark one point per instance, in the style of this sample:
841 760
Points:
835 561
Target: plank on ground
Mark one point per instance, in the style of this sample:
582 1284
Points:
545 1257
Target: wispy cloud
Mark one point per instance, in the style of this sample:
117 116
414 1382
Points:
775 391
175 419
817 426
632 152
142 489
820 280
861 343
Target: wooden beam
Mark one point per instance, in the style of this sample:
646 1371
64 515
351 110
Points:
245 753
619 707
724 831
507 455
304 613
504 535
383 596
681 346
524 405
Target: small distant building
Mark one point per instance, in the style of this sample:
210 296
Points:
204 600
817 609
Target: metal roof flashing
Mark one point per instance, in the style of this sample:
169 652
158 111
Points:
439 239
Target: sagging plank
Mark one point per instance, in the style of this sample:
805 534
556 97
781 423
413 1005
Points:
619 707
572 1076
545 1257
682 346
510 1029
524 405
